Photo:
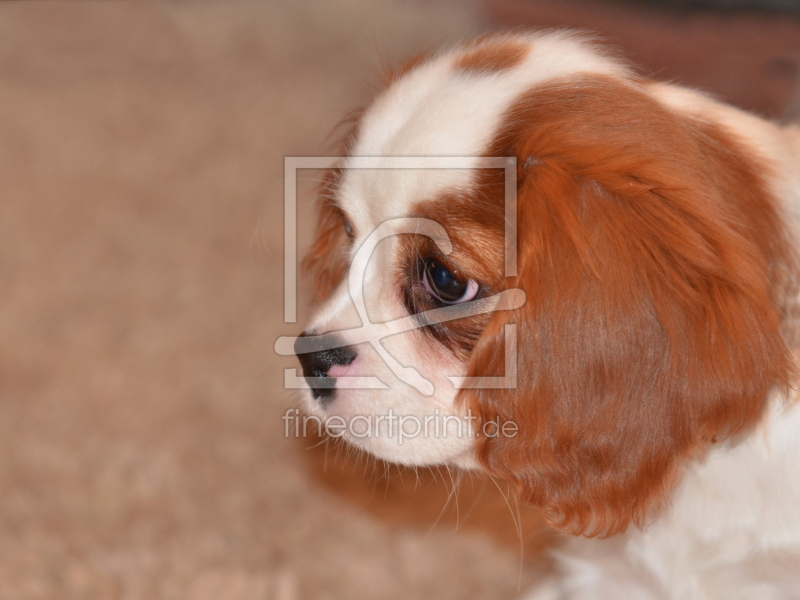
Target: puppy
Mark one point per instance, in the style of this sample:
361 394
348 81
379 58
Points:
606 321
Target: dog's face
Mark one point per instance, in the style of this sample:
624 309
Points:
409 252
645 305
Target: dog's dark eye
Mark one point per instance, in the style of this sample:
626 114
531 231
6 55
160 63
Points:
348 228
444 285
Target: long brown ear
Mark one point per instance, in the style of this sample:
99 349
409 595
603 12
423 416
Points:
653 261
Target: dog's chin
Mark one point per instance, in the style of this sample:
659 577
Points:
397 434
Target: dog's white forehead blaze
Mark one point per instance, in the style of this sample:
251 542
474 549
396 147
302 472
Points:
441 109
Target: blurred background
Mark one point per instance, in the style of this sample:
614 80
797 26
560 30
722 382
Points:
142 452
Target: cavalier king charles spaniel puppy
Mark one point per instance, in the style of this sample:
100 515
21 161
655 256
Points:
634 358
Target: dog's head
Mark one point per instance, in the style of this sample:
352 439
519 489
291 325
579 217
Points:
645 304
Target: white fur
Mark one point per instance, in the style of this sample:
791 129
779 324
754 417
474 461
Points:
732 530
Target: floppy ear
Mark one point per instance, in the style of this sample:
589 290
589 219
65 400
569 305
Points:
652 264
326 259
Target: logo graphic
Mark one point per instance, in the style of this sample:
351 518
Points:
373 333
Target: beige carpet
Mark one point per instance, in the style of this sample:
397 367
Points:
141 447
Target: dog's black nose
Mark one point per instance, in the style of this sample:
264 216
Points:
317 363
